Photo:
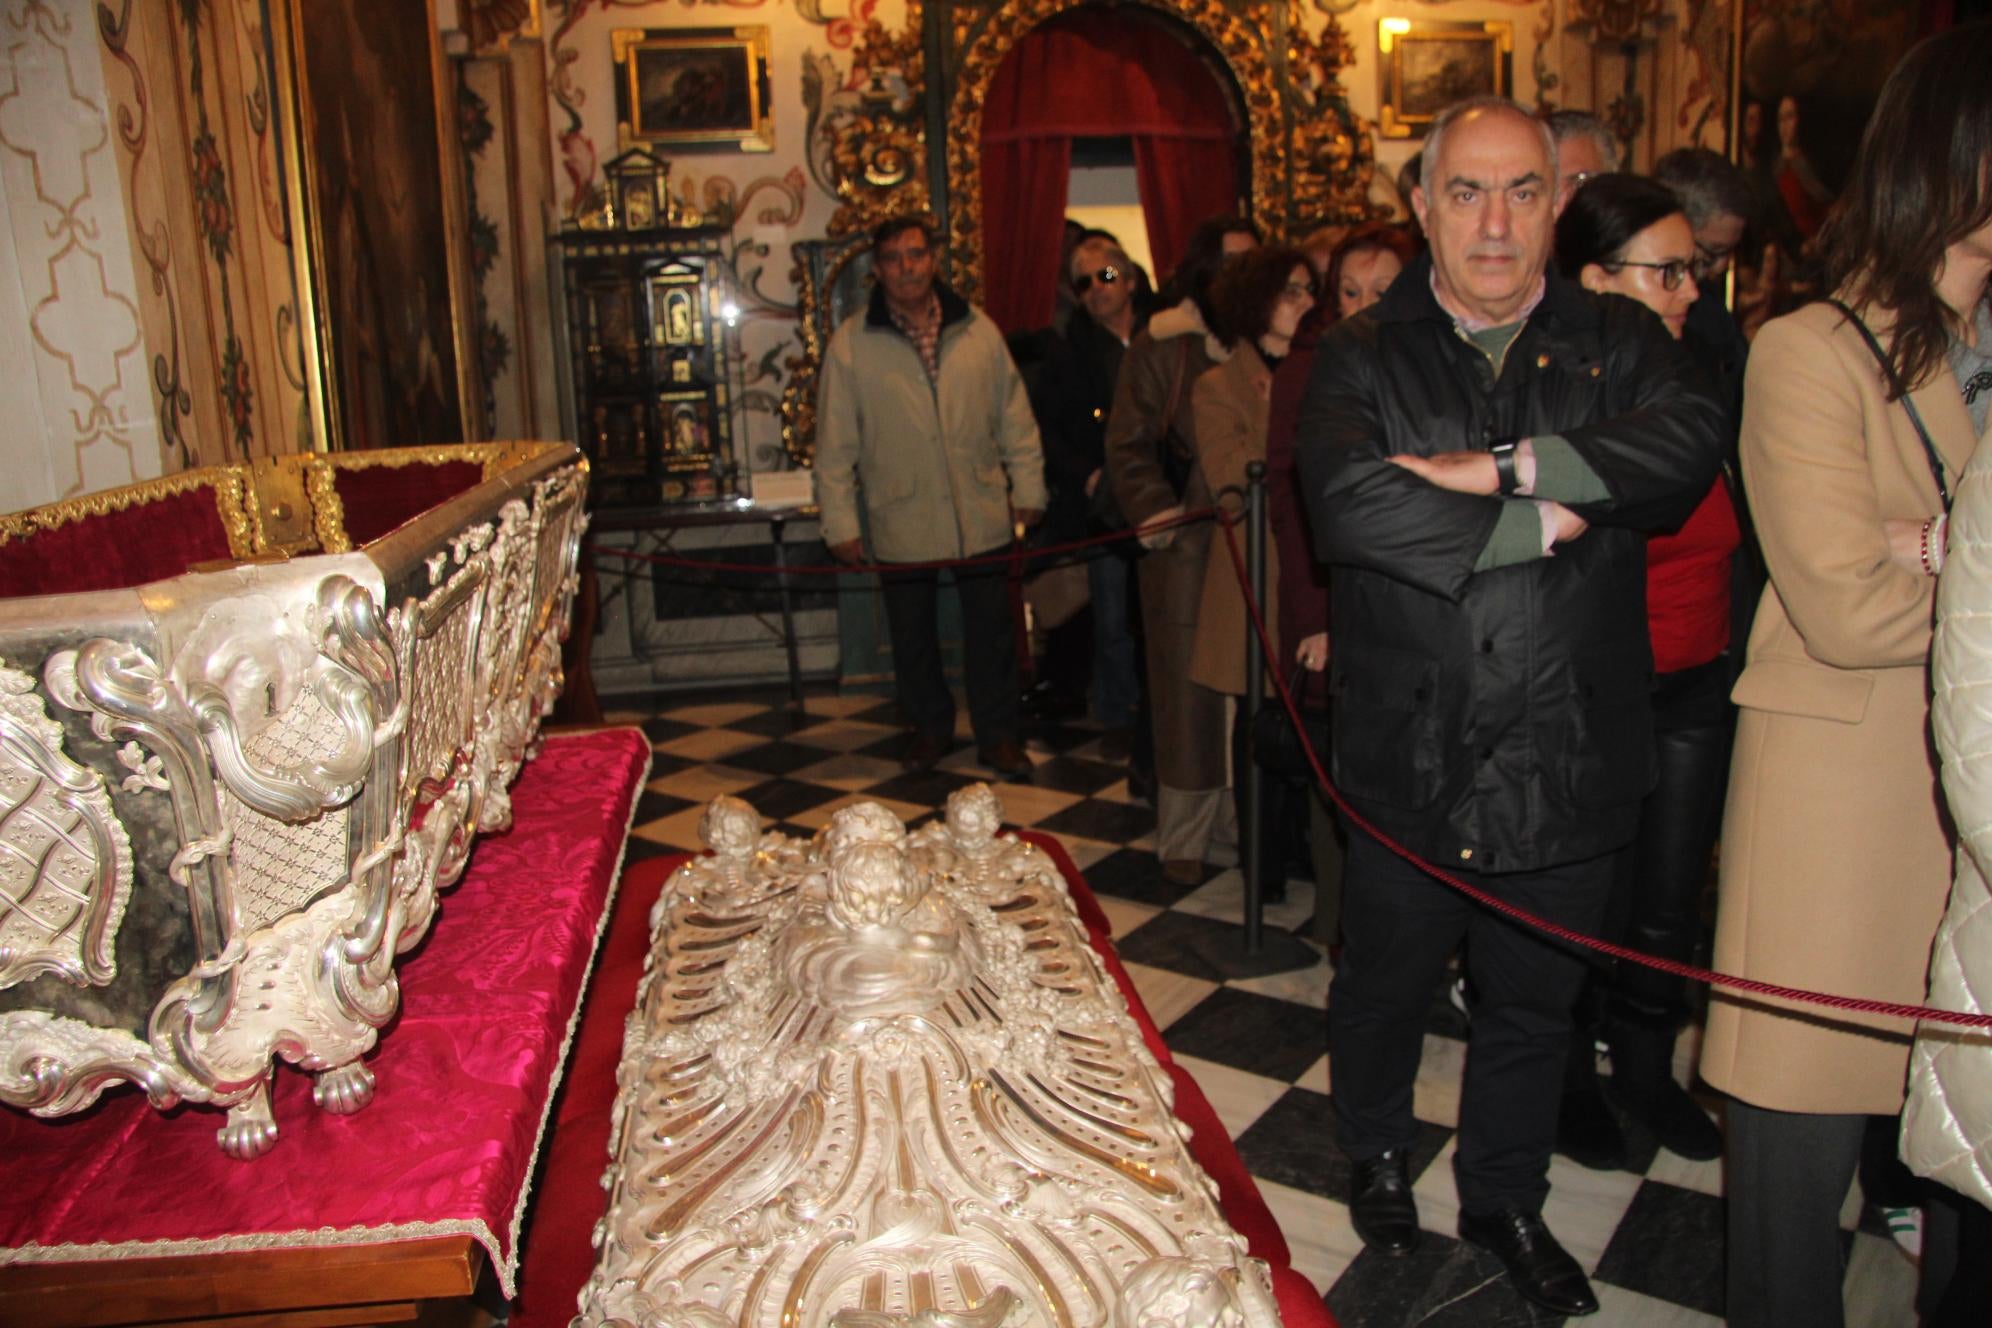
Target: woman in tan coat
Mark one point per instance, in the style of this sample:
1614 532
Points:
1153 473
1260 300
1836 855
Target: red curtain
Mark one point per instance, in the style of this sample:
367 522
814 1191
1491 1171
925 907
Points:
1023 207
1182 181
1095 73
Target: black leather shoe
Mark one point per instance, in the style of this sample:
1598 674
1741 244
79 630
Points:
1381 1204
1541 1269
1675 1118
1006 759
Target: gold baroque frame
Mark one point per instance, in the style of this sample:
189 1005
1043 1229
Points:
1236 35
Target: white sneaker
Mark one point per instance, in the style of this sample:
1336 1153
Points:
1905 1227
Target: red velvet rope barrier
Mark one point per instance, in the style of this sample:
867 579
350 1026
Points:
1710 976
1228 522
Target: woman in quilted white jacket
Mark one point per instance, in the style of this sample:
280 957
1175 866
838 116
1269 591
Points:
1947 1122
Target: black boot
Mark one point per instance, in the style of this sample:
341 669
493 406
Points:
1644 1087
1586 1130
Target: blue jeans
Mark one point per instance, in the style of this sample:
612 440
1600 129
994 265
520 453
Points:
1116 684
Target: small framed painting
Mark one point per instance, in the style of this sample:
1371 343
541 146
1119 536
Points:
693 88
1424 66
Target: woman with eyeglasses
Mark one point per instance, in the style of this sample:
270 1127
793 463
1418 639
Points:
1627 235
1360 268
1836 851
1259 300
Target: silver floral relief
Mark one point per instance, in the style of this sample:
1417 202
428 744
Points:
65 860
879 1079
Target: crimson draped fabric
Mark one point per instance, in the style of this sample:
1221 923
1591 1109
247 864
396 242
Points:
1095 73
466 1072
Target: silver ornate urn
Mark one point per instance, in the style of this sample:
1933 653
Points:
229 796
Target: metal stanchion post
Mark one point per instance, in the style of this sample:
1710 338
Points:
1249 952
1255 572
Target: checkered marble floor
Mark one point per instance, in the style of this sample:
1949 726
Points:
1651 1238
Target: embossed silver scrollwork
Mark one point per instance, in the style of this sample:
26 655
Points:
124 691
64 855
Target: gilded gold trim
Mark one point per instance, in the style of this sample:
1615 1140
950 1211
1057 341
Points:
328 514
231 500
239 498
799 394
878 155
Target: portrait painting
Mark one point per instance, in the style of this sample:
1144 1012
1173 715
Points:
1425 66
687 427
385 265
693 88
1808 75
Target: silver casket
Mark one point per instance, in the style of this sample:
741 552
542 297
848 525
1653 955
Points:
881 1080
229 796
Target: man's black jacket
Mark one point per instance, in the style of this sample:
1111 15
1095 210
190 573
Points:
1496 720
1075 390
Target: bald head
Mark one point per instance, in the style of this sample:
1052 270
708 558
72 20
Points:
1486 203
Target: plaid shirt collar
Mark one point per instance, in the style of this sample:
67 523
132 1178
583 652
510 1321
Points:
924 331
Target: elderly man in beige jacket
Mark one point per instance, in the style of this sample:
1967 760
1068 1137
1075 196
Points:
922 413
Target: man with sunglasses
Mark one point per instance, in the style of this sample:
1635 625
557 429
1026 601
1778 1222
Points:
922 412
1481 454
1075 391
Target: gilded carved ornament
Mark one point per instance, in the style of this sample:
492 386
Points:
868 144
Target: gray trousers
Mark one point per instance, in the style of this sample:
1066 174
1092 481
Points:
1788 1175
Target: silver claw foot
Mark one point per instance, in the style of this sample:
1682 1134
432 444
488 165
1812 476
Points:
251 1130
344 1090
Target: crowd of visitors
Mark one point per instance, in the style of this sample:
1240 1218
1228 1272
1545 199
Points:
1583 591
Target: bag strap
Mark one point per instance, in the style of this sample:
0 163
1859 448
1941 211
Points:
1901 394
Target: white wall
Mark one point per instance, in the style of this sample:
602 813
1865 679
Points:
75 395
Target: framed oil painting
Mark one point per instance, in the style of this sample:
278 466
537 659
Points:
368 118
1423 66
693 88
1805 86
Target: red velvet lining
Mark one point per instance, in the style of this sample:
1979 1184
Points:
379 499
117 550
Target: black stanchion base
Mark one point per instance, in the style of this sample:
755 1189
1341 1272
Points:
1279 952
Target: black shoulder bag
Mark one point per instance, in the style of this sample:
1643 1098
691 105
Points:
1901 394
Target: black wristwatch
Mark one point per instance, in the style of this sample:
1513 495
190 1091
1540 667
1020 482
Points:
1504 466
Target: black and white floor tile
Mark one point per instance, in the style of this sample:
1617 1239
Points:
1651 1239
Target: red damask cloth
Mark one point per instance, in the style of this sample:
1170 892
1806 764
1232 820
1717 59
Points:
466 1073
